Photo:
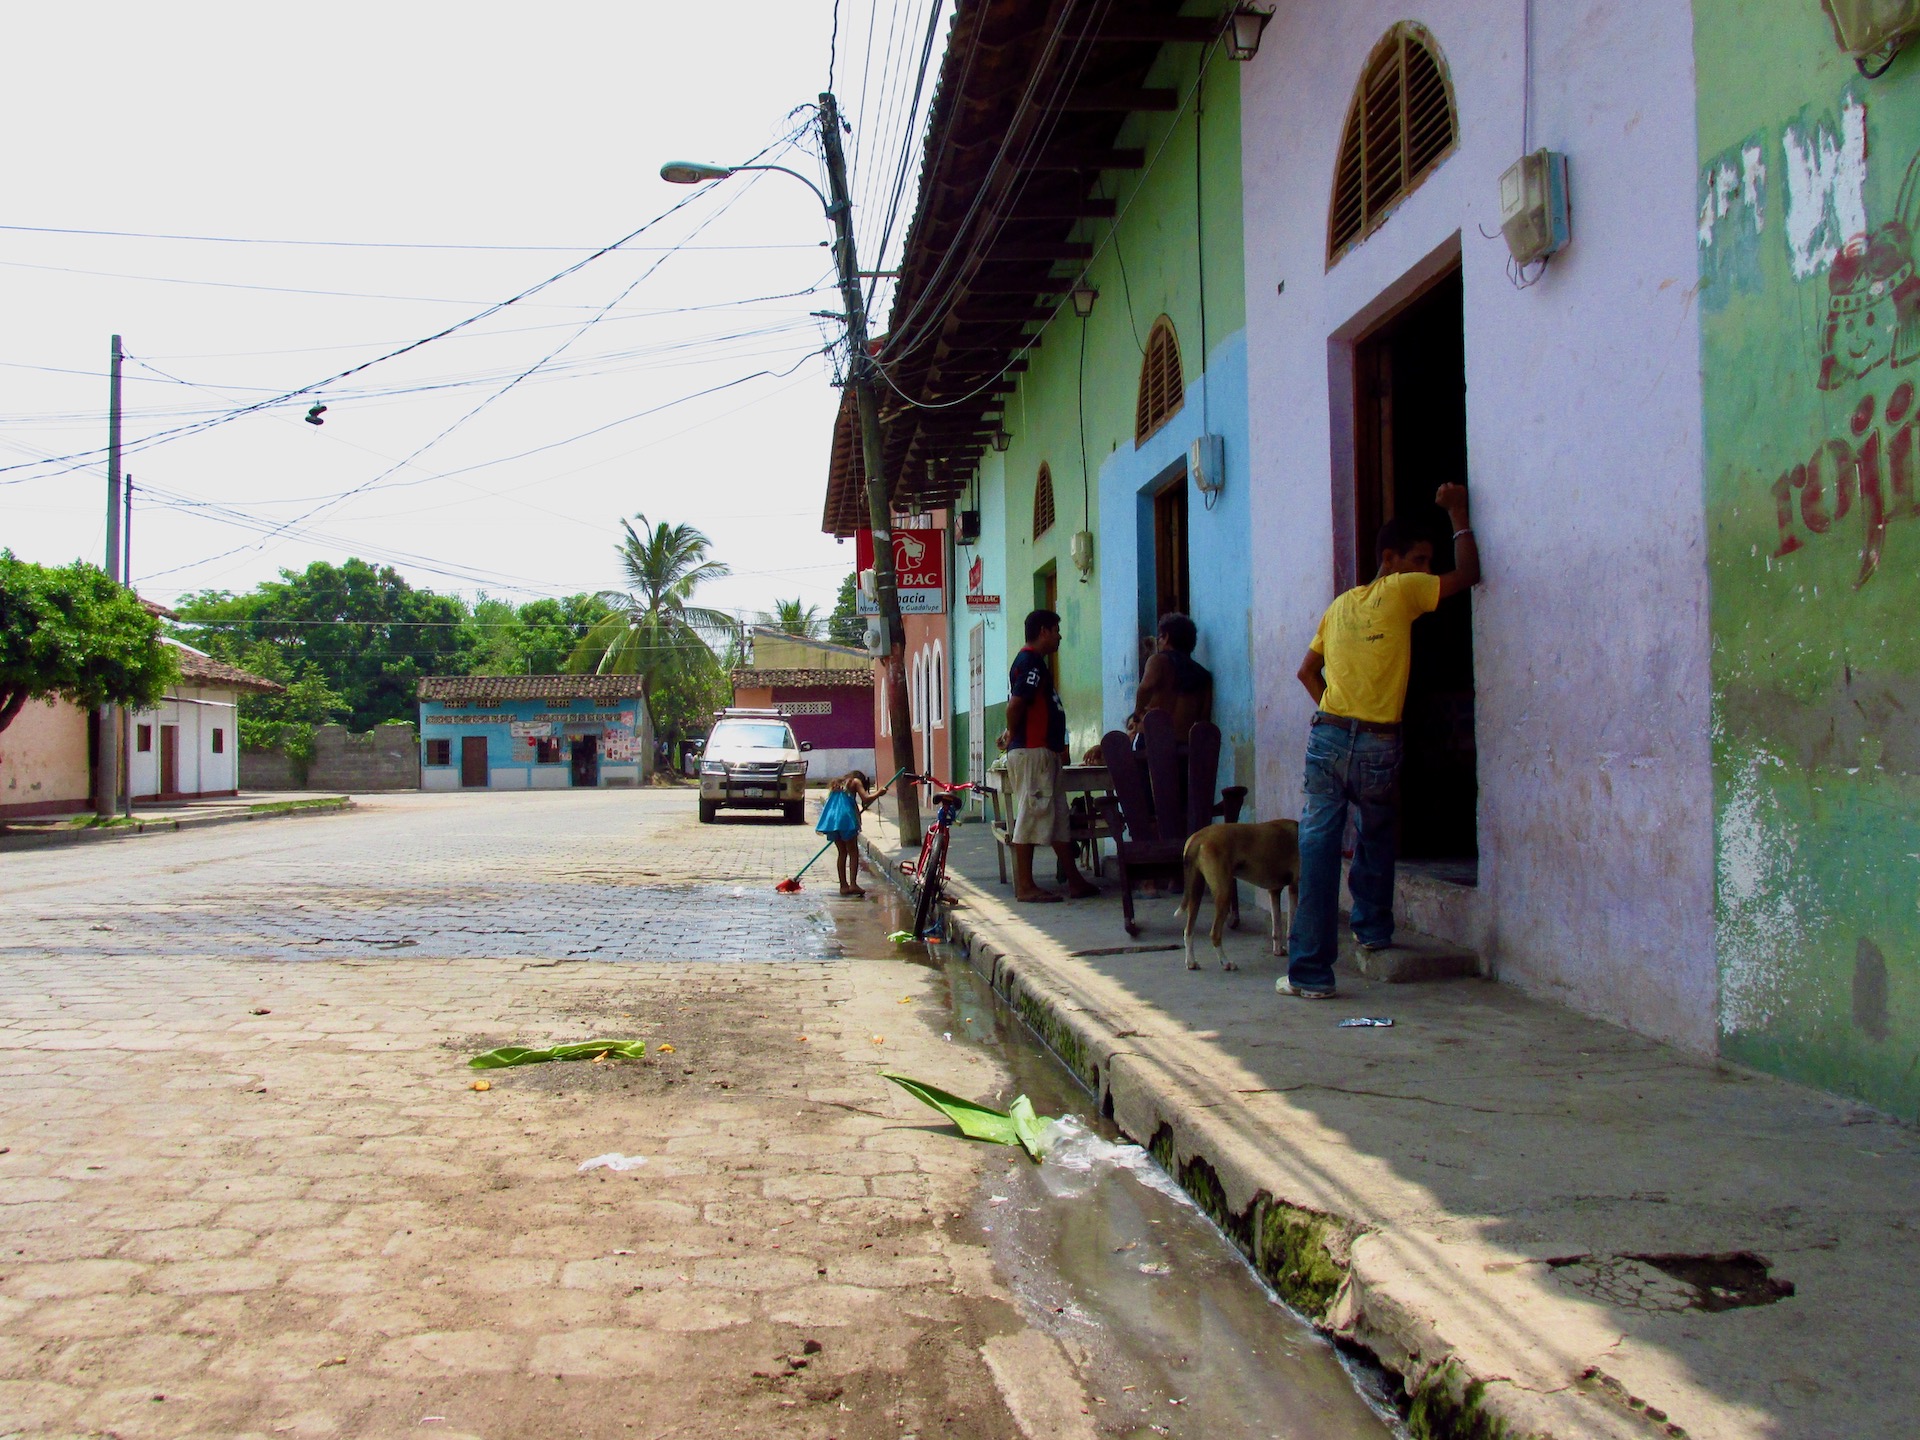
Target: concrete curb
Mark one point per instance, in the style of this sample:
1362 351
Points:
1347 1279
41 840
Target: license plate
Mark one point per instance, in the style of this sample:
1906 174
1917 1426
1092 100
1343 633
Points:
754 791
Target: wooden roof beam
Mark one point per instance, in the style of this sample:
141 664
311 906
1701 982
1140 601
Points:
1120 100
1089 157
1158 29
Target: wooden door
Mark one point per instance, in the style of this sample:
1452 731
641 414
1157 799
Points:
473 762
1171 584
169 759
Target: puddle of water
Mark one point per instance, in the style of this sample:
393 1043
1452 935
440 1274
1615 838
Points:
1173 1331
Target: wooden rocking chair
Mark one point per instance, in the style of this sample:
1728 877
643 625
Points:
1160 798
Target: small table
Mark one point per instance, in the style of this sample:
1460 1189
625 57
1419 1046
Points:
1088 829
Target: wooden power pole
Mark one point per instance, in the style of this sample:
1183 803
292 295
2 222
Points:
860 376
106 774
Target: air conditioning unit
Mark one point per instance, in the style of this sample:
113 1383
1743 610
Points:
1534 215
1207 464
1872 31
966 527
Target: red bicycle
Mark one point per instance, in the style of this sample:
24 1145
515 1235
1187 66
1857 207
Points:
930 870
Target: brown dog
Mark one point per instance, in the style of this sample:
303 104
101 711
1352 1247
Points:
1266 856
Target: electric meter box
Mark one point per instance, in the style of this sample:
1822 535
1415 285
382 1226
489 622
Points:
1868 27
1533 206
1206 463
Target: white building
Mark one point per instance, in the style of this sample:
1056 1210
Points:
189 744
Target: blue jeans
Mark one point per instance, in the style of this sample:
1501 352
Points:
1344 768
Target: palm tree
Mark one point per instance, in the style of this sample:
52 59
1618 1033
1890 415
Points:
654 632
796 617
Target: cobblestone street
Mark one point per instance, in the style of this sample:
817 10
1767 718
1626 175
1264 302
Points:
247 1189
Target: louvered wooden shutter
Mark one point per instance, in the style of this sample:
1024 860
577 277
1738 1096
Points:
1162 392
1399 127
1043 503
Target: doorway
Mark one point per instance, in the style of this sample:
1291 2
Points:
1046 596
1172 581
1410 438
473 762
169 759
586 760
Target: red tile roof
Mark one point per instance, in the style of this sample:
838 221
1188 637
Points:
211 674
529 687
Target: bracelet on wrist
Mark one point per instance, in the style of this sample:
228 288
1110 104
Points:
1463 530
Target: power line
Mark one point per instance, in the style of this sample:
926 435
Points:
365 244
85 456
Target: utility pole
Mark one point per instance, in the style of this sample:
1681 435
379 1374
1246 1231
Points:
106 778
126 578
860 367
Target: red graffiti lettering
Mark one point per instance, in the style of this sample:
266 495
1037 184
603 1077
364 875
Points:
1783 511
1867 465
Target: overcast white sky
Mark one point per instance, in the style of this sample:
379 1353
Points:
432 124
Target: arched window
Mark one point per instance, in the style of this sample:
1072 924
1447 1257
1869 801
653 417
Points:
1043 503
1400 126
1162 392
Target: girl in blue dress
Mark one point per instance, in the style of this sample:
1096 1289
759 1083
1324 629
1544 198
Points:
839 820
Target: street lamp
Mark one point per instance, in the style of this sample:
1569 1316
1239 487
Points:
1244 27
861 372
1083 297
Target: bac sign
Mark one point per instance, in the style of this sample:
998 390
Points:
919 570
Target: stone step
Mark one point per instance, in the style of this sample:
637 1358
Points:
1414 956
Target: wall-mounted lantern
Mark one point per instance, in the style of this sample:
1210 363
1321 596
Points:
1002 438
1083 297
1244 27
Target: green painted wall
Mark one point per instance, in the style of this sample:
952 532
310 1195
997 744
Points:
1810 367
1147 265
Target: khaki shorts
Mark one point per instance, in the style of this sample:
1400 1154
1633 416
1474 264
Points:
1038 801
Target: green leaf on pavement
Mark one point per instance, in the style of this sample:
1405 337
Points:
581 1050
1018 1125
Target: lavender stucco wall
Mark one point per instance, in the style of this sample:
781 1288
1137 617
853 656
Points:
849 726
1583 393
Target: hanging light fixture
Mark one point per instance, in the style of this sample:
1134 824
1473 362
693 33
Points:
1244 27
1083 297
1002 437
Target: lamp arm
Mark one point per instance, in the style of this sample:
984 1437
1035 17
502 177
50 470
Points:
824 205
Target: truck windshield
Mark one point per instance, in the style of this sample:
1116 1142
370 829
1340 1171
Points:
753 737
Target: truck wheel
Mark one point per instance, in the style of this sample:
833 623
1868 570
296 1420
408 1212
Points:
708 809
795 812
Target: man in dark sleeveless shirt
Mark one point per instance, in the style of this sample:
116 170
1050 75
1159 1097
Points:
1173 680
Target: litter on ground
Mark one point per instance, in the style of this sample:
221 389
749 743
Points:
582 1050
614 1160
1016 1125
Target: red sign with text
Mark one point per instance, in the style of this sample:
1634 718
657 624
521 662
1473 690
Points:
919 570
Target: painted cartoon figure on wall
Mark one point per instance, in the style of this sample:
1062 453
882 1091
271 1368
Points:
1872 321
1873 297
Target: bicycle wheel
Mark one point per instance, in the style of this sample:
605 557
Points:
931 876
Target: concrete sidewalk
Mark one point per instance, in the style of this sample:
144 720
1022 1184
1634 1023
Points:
157 816
1533 1217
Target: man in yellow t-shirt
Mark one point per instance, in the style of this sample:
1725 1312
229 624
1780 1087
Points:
1356 672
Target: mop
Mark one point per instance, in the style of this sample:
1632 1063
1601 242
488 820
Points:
791 885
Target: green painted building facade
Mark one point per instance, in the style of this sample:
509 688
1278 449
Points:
1809 195
1172 254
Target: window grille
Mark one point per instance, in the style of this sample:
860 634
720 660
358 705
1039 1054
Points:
1043 503
1162 392
1400 126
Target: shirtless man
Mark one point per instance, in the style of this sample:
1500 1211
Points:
1173 680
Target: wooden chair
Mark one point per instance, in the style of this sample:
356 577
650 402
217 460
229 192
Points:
1159 799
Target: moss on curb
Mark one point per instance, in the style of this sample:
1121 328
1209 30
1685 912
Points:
1445 1405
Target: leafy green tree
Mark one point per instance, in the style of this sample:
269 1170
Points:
286 721
361 629
796 617
846 626
654 631
70 632
535 639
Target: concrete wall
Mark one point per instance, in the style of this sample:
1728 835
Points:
43 760
385 758
1583 394
1810 442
